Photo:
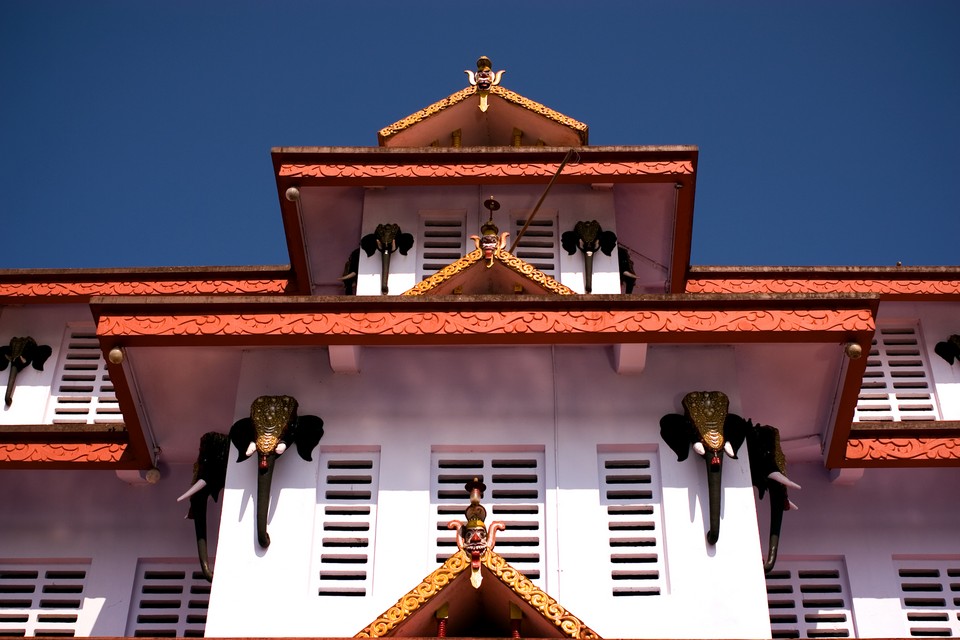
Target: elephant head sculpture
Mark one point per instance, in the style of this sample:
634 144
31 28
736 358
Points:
589 237
386 239
350 270
209 477
17 355
768 467
628 276
949 349
712 431
273 425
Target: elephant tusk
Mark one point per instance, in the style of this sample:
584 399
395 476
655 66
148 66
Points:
251 448
728 449
348 276
776 476
792 507
281 448
200 484
699 448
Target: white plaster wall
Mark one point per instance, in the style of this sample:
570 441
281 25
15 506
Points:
567 402
887 513
79 515
938 321
403 205
46 324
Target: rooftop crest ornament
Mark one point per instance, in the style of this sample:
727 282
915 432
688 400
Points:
473 537
483 79
491 241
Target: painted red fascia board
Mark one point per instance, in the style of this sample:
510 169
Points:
598 319
901 283
21 286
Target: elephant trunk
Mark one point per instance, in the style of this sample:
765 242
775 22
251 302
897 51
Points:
11 382
778 504
588 271
385 271
714 468
198 512
264 480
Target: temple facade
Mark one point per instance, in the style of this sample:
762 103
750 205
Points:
488 397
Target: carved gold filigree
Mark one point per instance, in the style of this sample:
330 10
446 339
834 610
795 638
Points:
463 94
425 113
504 257
434 583
417 597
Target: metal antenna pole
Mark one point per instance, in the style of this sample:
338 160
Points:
566 159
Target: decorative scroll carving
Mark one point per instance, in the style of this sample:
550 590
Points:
463 94
136 288
472 172
549 608
426 112
416 597
60 453
904 449
506 258
763 285
482 323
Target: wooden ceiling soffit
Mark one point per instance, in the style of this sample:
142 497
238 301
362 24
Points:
472 272
541 611
912 283
453 320
413 119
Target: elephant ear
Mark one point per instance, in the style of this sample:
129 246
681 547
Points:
608 242
5 353
735 430
40 355
676 431
404 243
369 244
307 437
568 240
242 434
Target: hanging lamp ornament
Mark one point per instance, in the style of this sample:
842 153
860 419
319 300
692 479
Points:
483 79
473 537
490 241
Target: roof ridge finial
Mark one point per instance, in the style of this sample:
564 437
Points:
484 78
473 537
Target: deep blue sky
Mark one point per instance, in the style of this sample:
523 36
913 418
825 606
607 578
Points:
139 133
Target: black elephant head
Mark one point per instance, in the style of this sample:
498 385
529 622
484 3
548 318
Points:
949 349
768 467
209 477
712 431
589 237
273 425
17 355
387 239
